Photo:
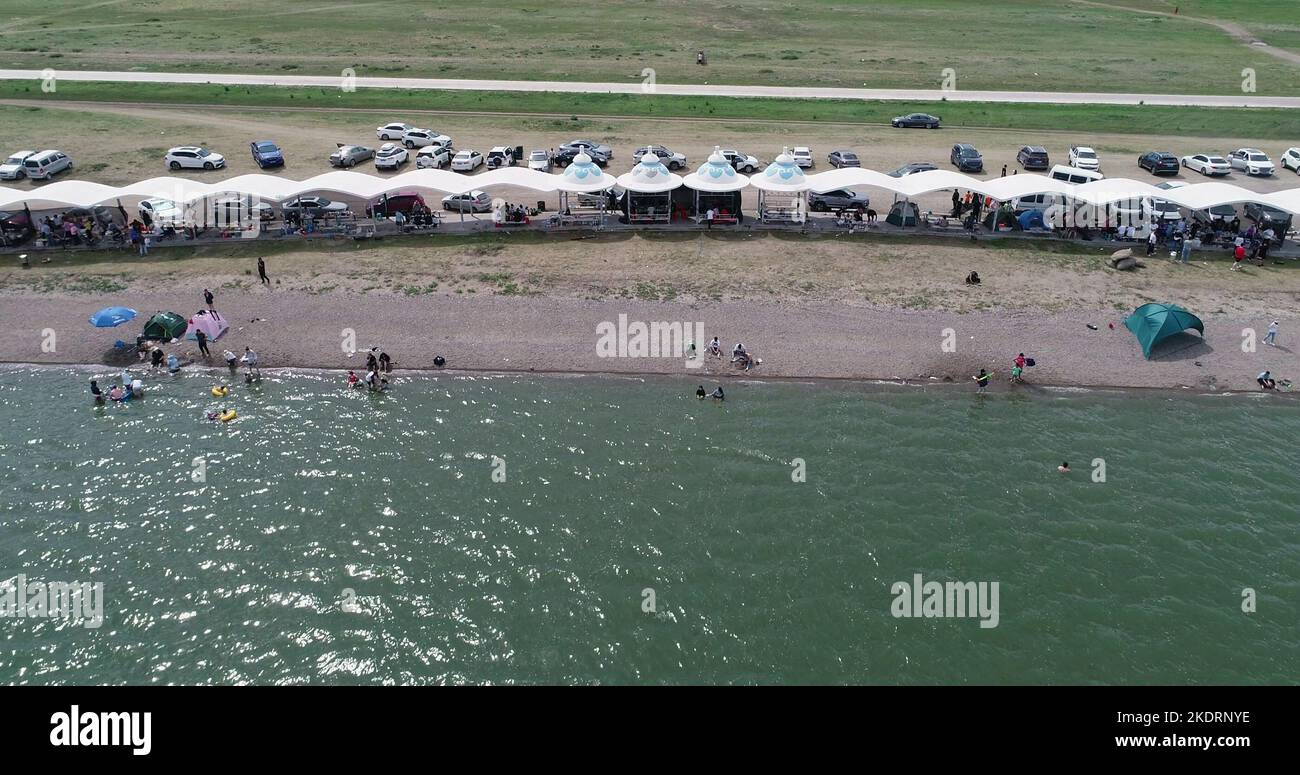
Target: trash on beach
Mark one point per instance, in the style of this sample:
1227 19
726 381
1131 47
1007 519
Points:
1092 327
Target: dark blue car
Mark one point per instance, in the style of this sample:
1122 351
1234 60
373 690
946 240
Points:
266 154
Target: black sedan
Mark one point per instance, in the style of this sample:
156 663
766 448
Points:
1159 163
916 121
842 158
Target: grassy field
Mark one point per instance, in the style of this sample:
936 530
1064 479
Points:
1276 124
1044 45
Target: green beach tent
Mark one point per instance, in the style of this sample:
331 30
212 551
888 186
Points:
165 326
1152 323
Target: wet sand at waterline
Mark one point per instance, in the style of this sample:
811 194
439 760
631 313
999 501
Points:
809 308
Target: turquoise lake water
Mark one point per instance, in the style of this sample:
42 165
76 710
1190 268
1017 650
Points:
344 537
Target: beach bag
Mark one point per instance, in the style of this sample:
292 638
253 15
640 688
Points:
1029 361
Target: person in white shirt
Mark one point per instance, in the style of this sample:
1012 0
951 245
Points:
1270 338
250 360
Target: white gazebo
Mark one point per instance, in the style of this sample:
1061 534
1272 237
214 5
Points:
717 187
781 190
583 176
650 189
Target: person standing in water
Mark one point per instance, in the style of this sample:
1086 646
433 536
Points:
718 394
98 395
982 380
699 392
261 271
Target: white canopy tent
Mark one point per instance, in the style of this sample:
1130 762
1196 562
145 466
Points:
781 188
649 187
717 184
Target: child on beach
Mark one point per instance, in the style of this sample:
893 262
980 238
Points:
353 379
982 380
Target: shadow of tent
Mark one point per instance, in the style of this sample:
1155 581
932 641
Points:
1182 346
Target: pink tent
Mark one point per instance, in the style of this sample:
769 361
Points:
209 322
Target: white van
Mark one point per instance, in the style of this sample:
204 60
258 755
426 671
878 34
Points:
1034 202
1074 174
46 164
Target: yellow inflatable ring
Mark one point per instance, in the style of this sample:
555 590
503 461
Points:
220 390
227 415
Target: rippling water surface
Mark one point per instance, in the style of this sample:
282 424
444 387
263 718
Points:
616 486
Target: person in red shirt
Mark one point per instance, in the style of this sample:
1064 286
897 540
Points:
1238 255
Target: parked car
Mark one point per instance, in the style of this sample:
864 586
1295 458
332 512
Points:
1217 213
1034 202
15 228
12 169
671 160
742 161
501 156
1252 161
539 159
843 158
1207 164
470 202
599 152
160 211
839 199
194 157
912 169
916 121
966 158
1266 216
466 161
391 156
1033 157
388 205
1290 160
313 206
1084 158
1159 163
394 131
1074 174
433 157
423 138
350 155
803 156
266 154
46 164
234 210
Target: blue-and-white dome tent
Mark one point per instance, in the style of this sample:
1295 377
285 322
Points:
717 187
583 176
781 188
650 187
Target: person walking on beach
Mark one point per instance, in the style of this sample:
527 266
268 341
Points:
1018 368
1238 255
202 339
1270 338
209 298
261 271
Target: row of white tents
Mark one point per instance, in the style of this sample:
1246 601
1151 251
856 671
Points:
648 176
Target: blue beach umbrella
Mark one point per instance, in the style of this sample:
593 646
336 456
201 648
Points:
111 316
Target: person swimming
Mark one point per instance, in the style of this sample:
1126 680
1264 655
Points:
718 394
1064 467
699 392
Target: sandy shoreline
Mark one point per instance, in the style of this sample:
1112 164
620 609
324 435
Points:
795 339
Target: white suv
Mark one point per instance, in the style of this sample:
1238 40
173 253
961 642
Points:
394 131
1084 158
1251 160
391 156
433 157
194 157
12 169
422 138
1290 161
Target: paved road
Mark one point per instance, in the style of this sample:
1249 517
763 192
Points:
696 90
